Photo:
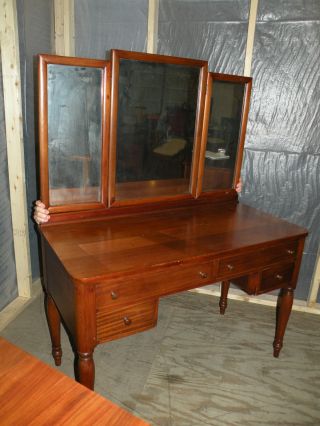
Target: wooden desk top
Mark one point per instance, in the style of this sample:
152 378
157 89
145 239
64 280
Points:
32 393
104 248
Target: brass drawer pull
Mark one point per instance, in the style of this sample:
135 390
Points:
230 267
279 277
289 251
203 274
127 321
114 295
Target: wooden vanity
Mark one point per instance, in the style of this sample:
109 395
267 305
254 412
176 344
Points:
137 211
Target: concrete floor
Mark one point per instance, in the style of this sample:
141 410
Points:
199 368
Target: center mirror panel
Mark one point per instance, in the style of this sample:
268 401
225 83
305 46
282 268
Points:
157 112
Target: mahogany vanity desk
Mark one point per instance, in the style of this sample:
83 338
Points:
158 215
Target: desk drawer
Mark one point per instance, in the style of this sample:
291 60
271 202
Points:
145 286
236 265
115 323
276 277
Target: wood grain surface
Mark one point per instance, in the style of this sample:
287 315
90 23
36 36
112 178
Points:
102 248
32 393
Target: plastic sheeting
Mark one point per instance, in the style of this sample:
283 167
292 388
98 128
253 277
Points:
102 25
35 33
8 279
215 31
281 168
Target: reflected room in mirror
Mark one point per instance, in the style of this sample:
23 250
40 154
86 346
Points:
73 102
157 105
227 106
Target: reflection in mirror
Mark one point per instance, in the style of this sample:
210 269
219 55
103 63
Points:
156 126
223 134
74 134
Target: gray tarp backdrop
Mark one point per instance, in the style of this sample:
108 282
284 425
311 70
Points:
281 169
101 25
215 31
281 165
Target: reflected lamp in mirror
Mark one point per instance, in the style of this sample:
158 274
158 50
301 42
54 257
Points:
226 114
157 105
73 125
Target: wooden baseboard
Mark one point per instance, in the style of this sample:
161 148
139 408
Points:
265 299
11 311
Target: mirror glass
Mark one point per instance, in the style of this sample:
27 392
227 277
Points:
223 134
157 105
74 134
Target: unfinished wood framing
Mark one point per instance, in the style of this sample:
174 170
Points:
315 284
153 15
9 46
64 27
250 37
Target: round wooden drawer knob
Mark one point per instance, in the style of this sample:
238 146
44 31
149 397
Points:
127 321
230 267
279 277
114 295
203 275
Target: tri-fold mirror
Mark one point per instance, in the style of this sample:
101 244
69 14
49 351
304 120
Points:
139 129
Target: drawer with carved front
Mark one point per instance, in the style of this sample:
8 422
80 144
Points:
115 323
169 280
238 265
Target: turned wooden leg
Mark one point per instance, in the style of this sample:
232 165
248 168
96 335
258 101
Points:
85 371
283 313
54 323
224 296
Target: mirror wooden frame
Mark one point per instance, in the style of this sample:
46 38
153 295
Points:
44 61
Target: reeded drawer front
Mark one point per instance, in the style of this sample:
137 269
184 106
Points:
275 277
170 280
112 324
234 265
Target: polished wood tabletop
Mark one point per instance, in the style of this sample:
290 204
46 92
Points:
146 241
33 393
